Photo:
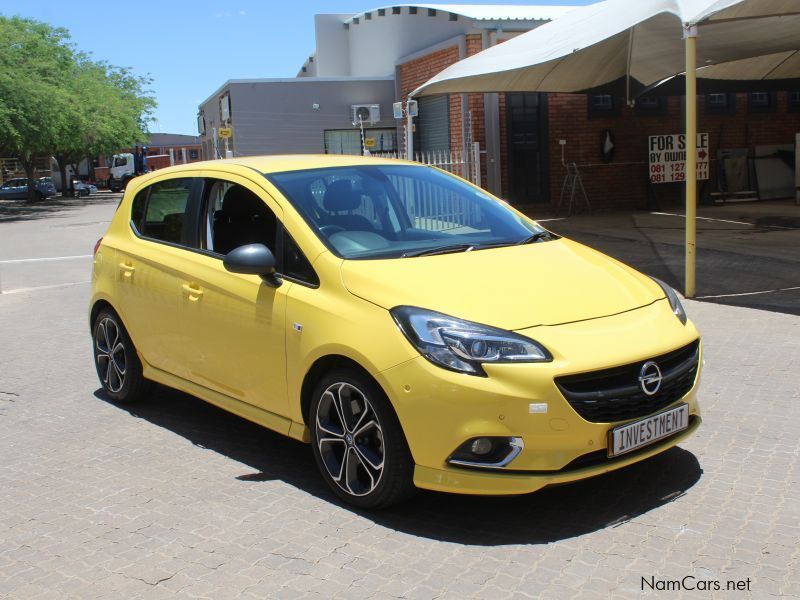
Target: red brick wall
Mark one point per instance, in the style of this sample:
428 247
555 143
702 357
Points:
416 72
623 182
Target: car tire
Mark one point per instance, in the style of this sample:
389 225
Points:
116 361
357 440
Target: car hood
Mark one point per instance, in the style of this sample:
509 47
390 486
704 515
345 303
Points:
514 287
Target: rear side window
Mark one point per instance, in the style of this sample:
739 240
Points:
164 213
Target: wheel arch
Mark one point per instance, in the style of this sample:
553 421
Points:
321 366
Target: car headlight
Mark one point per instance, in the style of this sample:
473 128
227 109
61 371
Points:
674 301
464 346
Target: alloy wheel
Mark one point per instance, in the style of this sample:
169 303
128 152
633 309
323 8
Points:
110 354
350 439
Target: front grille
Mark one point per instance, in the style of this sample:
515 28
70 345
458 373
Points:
614 394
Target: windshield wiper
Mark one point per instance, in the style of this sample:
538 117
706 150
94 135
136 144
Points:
440 250
539 235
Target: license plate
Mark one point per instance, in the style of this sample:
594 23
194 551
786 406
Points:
627 438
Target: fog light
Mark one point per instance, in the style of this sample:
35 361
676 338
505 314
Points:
487 452
481 446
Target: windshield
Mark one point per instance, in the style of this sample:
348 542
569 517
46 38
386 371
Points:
394 211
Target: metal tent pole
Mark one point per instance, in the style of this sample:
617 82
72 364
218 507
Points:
690 35
409 131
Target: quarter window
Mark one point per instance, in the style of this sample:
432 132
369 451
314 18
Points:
165 212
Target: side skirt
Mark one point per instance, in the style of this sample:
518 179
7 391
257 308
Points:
265 418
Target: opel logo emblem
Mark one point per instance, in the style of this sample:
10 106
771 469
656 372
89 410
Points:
650 378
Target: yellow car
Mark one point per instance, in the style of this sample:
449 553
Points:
418 332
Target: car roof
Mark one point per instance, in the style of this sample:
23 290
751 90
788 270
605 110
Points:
286 162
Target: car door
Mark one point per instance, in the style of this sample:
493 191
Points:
7 189
235 324
149 293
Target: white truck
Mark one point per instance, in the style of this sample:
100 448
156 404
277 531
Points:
125 166
122 169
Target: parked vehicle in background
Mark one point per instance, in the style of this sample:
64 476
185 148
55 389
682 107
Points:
17 189
121 170
124 167
83 189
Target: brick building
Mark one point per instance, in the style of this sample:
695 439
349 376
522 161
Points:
387 52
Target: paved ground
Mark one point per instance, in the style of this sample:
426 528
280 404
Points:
176 498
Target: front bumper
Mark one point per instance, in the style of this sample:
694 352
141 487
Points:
439 410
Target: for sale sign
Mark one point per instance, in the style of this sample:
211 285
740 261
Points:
668 157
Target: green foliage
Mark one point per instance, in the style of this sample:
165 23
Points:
56 101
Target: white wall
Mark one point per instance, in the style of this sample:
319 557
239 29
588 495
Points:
372 48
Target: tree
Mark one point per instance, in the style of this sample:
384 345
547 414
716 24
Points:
55 101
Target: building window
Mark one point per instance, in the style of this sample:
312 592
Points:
794 101
453 17
721 104
395 10
348 141
192 154
431 12
412 10
381 12
368 16
760 102
651 105
603 105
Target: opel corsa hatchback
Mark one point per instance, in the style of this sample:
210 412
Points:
416 331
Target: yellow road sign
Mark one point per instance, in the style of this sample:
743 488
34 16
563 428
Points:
225 132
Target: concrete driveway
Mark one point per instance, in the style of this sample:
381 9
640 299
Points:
175 498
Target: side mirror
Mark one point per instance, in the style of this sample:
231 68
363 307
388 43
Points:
253 259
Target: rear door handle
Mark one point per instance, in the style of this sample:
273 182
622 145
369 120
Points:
127 269
192 290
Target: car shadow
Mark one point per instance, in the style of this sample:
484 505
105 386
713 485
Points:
21 210
549 515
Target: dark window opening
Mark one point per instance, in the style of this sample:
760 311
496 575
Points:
721 104
381 12
395 10
603 105
412 10
761 102
794 101
431 12
651 105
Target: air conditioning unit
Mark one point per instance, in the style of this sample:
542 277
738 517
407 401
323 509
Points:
366 113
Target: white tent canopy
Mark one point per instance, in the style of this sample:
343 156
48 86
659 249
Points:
640 39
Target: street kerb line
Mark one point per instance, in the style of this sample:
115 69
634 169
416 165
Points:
43 287
663 214
788 289
45 259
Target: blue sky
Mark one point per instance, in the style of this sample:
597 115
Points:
191 48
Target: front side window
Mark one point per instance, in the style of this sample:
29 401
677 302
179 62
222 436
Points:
234 217
161 213
393 211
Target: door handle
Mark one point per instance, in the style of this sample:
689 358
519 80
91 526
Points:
127 269
192 290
